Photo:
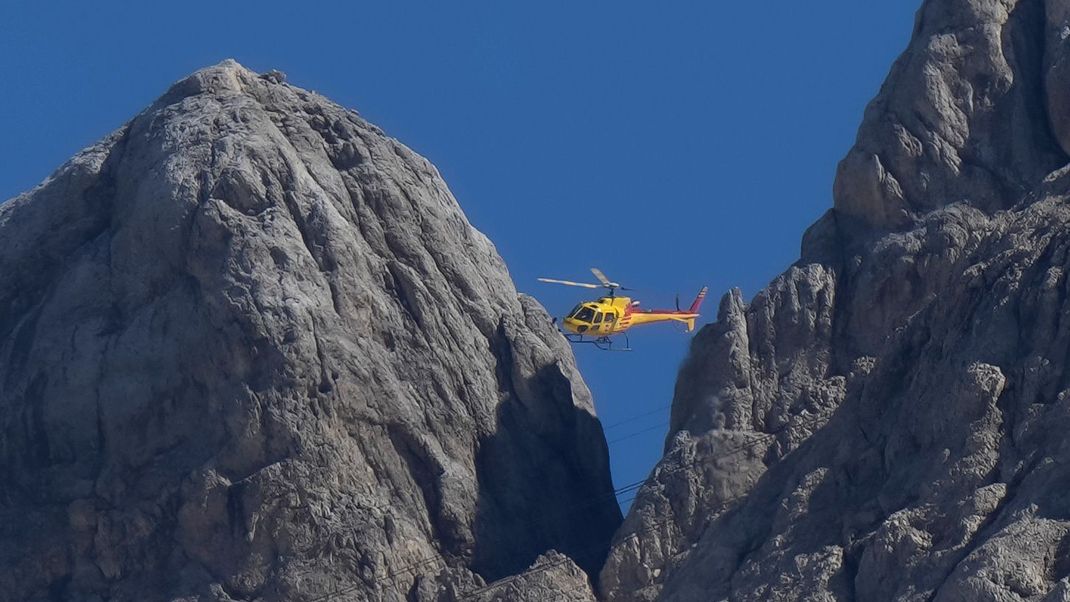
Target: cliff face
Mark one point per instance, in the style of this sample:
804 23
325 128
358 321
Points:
251 348
887 420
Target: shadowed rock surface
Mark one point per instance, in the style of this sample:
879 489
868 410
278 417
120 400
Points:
888 419
250 348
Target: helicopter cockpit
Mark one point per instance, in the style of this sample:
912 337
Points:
582 313
583 318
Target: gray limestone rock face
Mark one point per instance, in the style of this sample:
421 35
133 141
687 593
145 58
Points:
250 348
552 577
961 118
887 420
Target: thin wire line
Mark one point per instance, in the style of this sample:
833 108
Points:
657 524
637 417
640 432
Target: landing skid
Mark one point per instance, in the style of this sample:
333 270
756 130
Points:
603 343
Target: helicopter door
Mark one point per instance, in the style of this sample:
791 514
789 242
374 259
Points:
597 322
610 320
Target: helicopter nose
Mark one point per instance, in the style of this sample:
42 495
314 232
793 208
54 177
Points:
574 326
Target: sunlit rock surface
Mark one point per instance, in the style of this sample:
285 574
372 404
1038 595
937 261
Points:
888 419
250 348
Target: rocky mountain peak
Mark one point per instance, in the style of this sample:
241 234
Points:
886 419
252 349
971 113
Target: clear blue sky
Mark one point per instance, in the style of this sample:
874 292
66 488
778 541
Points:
671 144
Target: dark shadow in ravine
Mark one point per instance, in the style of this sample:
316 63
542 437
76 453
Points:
544 480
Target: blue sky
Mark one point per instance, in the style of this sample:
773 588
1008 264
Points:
671 144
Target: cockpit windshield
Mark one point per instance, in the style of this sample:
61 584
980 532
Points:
581 313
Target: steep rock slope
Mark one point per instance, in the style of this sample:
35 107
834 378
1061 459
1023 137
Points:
887 420
250 348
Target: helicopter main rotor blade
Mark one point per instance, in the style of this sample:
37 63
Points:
606 282
602 278
570 283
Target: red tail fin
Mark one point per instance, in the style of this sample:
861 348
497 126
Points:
698 300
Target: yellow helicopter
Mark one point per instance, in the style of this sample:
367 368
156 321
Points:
613 315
